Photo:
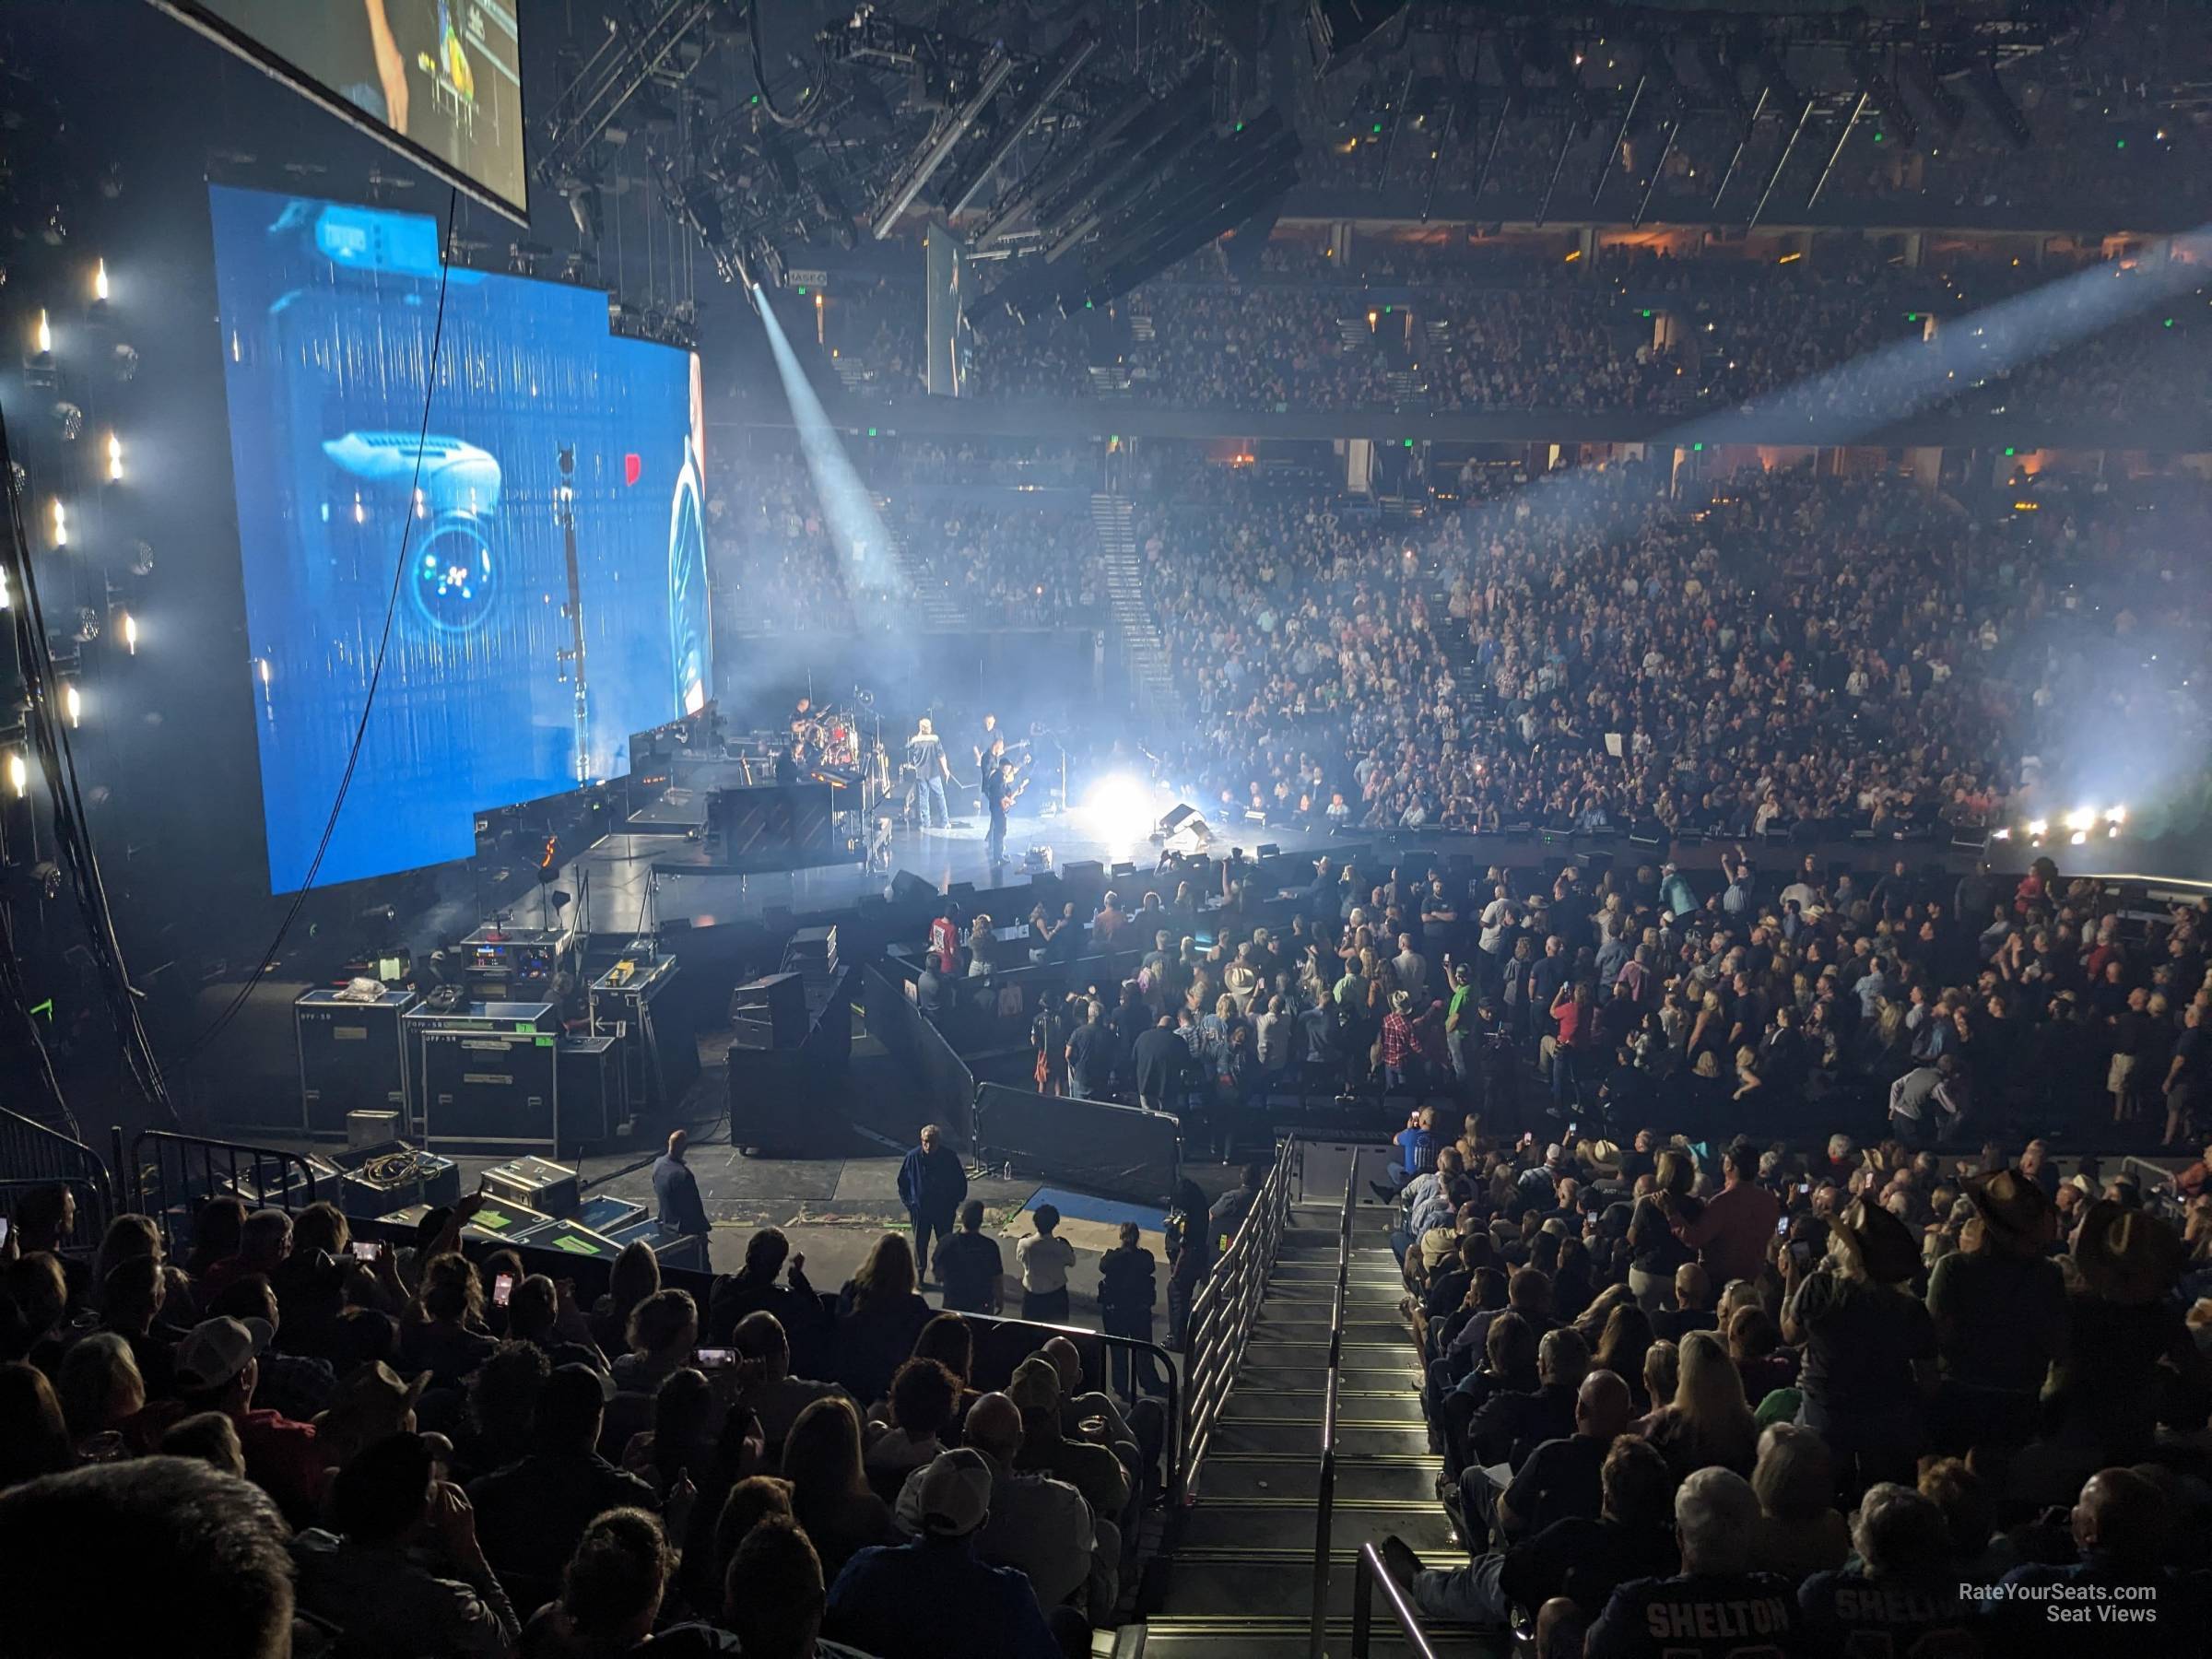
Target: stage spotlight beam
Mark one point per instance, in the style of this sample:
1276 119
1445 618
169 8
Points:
873 577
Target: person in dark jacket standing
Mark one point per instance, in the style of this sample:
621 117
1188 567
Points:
1161 1060
969 1265
1127 1296
931 1184
1190 1241
676 1189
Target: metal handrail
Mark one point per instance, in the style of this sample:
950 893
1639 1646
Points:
1325 1508
33 1156
1165 1365
1221 1316
1368 1572
264 1177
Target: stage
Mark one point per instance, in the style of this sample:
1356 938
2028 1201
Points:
622 866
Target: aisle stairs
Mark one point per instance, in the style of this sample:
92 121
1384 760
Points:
932 594
1241 1582
1142 646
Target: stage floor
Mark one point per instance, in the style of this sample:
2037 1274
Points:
620 867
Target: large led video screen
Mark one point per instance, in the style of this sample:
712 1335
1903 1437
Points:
439 79
552 597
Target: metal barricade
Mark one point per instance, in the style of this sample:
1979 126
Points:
170 1176
1163 1365
1221 1315
32 1155
1325 1503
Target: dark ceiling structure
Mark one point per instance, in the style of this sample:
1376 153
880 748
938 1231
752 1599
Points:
1076 150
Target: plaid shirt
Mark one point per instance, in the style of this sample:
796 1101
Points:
1397 1039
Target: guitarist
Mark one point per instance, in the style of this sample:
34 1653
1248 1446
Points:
1000 792
990 759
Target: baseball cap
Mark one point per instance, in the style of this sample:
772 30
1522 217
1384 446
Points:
216 1350
1035 1385
955 1498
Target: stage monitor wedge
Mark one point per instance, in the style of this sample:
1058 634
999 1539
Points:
437 80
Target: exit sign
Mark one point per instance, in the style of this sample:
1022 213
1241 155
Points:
798 278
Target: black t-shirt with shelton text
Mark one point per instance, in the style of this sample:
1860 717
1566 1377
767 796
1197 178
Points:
1741 1615
1851 1616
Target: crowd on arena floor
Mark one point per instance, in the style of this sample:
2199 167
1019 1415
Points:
1796 649
1772 1292
1690 1395
291 1450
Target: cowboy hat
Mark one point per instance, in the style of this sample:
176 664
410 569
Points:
2016 1213
2125 1255
1602 1156
1884 1245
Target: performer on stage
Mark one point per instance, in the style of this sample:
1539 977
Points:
926 770
1000 793
990 734
791 765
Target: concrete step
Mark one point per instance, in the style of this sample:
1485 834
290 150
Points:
1411 1484
1238 1639
1266 1528
1261 1376
1249 1404
1303 1439
1248 1594
1295 1324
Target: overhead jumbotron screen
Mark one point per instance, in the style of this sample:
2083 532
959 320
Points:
536 415
441 79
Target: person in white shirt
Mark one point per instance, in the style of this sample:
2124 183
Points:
1271 1032
1413 970
1040 1524
1495 912
1044 1260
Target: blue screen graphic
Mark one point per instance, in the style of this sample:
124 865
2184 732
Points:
328 317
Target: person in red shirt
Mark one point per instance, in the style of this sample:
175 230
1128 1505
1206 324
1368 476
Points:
1575 1015
217 1365
1397 1041
944 942
264 1242
1731 1233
